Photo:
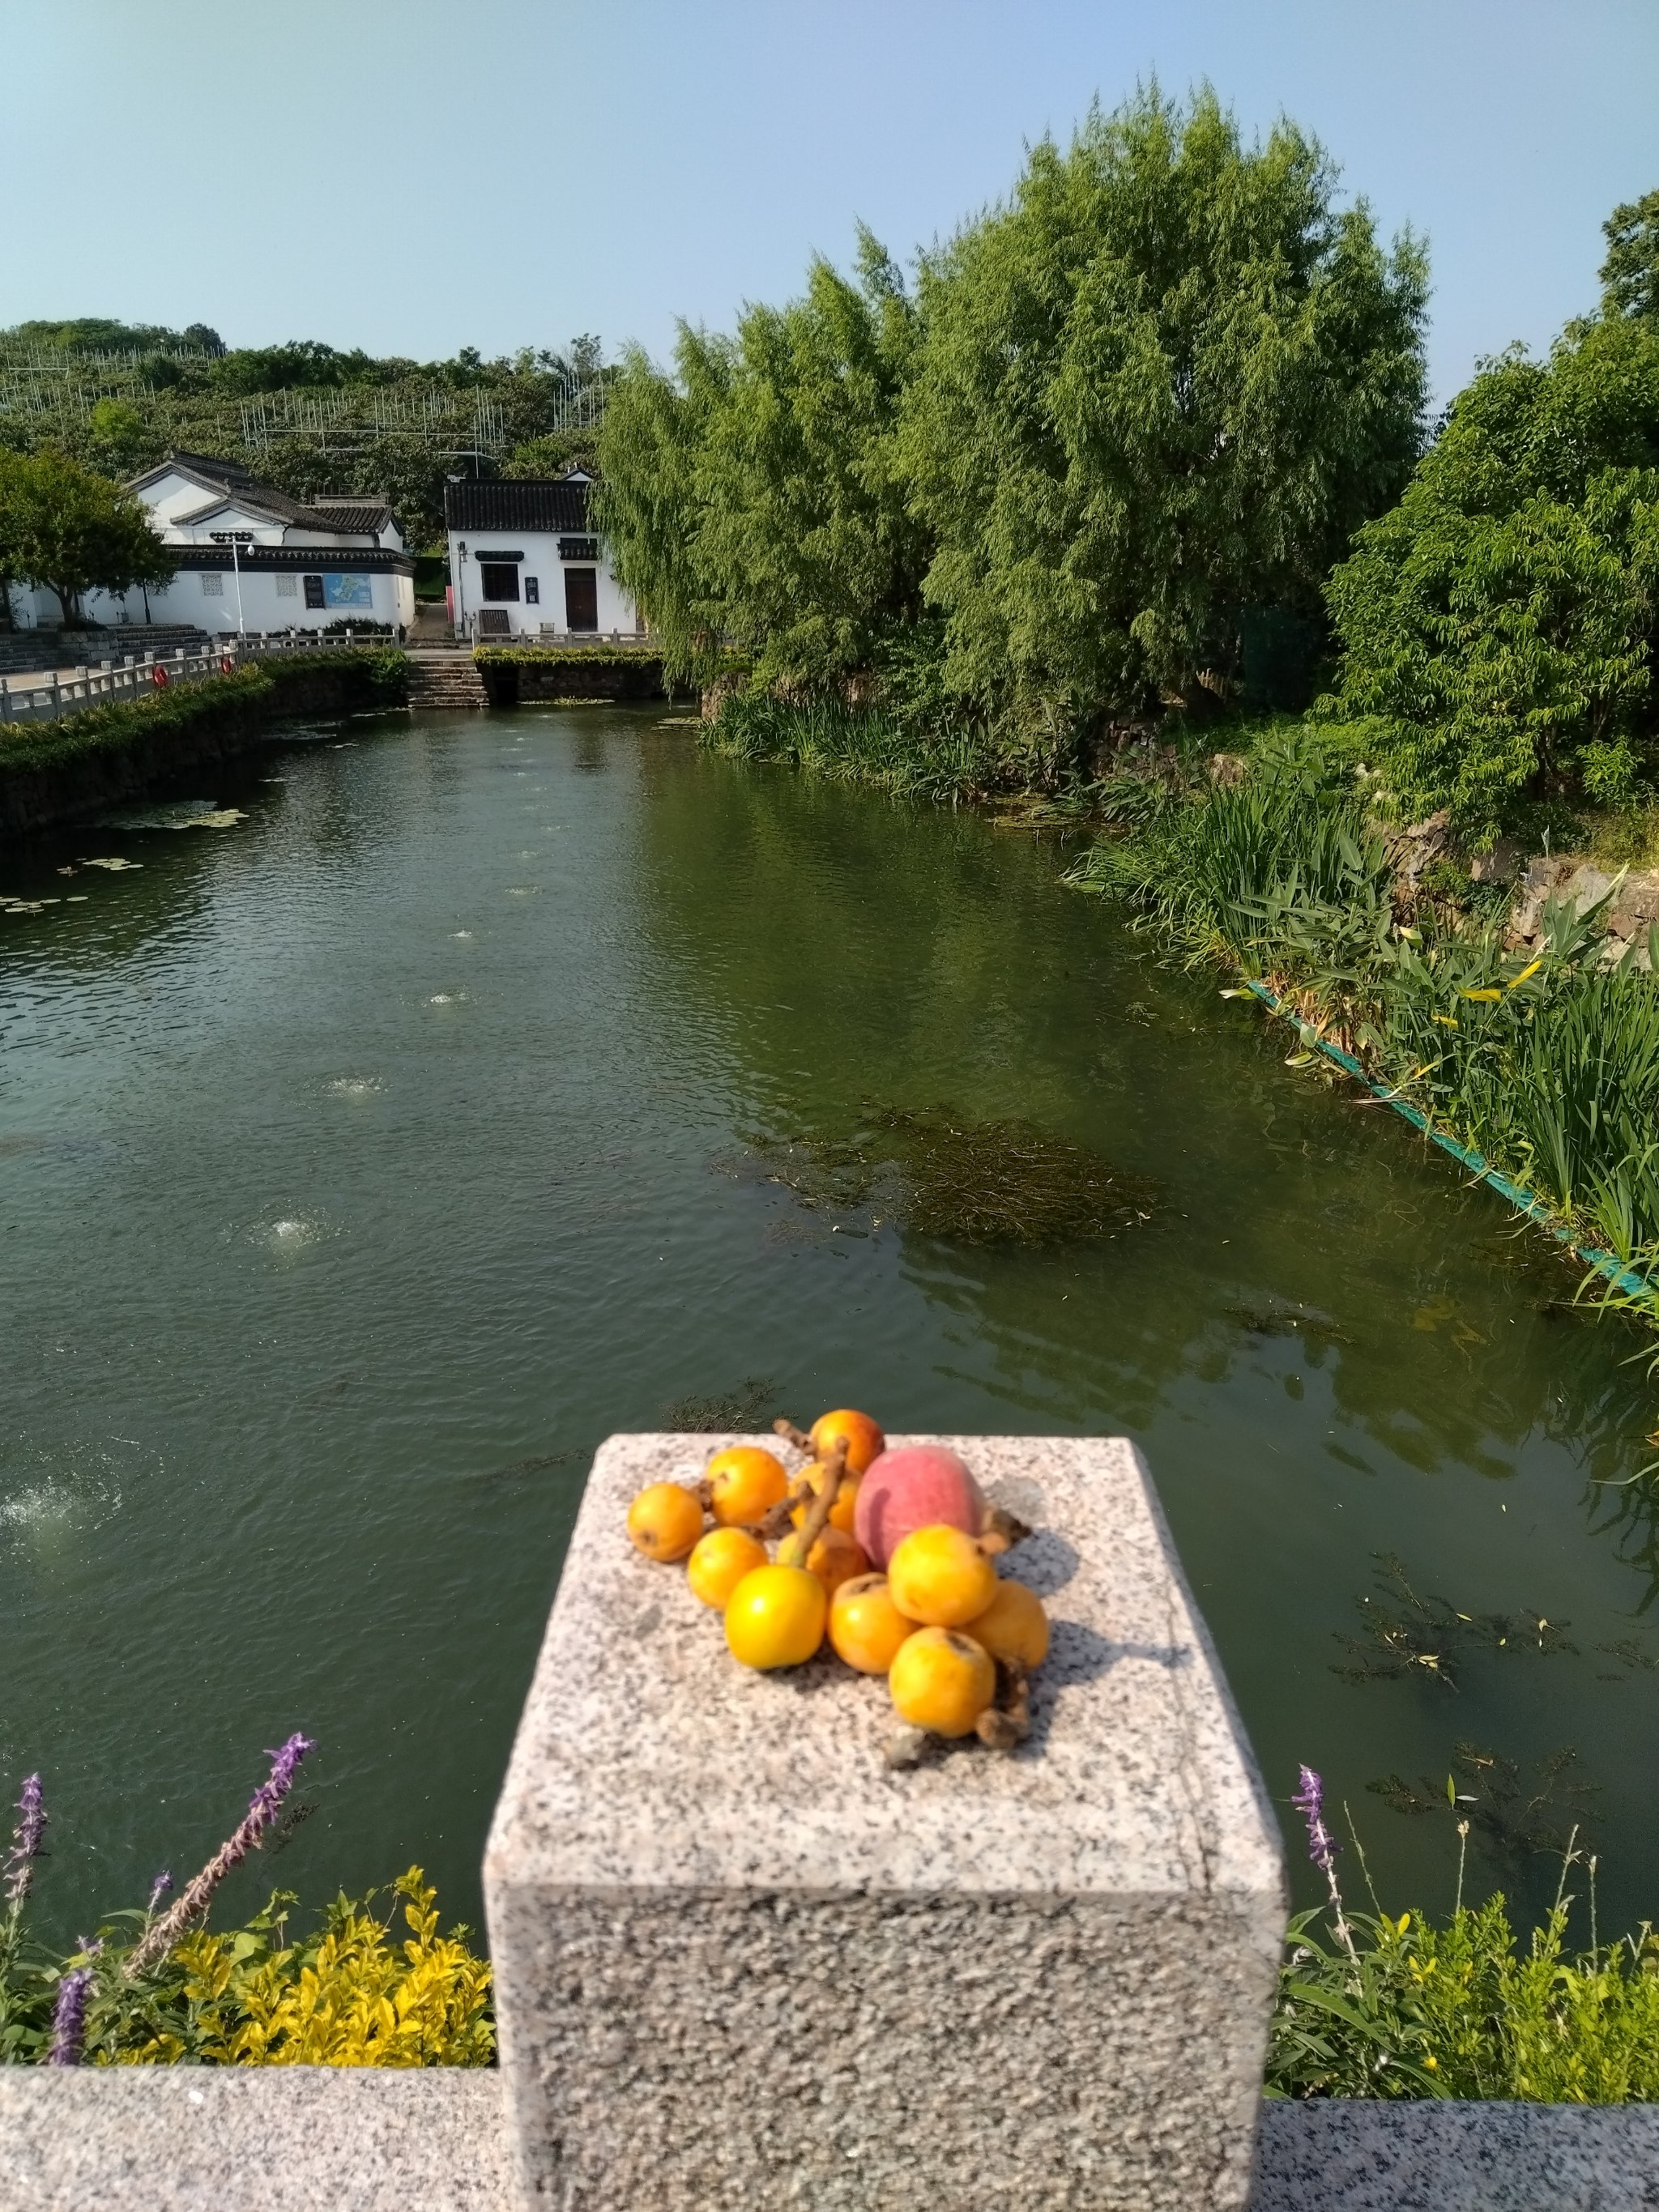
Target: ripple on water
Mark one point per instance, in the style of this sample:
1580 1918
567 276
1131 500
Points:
50 1498
447 998
286 1236
355 1086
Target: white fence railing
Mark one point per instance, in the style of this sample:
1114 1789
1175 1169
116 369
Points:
45 699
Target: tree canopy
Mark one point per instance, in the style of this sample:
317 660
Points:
1498 627
756 497
1154 392
1164 384
66 527
1629 275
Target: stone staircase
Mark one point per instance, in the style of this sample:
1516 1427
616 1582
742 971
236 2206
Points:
443 680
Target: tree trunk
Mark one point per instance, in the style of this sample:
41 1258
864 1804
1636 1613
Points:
69 599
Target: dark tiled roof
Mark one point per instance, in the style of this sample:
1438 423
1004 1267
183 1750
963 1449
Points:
516 503
212 466
339 512
367 515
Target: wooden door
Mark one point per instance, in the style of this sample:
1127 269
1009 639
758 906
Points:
581 599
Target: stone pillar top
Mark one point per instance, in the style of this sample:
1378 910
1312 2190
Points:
648 1759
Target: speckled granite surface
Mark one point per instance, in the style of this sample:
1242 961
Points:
311 2139
1332 2155
252 2139
739 1963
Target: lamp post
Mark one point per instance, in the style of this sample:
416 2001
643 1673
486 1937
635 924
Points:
234 539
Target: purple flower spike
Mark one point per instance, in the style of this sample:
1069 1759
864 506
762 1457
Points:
68 2019
158 1889
1310 1801
267 1800
264 1805
25 1842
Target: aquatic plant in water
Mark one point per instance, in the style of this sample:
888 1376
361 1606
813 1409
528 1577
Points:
967 1182
746 1410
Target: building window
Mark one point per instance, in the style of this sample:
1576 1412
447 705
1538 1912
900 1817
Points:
578 548
500 580
287 587
581 599
213 584
314 590
533 591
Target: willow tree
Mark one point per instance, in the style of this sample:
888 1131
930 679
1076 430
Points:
753 499
1161 385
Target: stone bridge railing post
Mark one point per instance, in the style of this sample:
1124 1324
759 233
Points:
741 1962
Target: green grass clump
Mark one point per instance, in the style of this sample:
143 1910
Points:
1544 1064
860 744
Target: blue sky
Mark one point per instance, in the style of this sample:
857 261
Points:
416 175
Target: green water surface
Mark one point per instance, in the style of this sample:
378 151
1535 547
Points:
362 1165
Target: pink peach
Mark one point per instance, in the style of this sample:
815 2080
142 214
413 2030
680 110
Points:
919 1487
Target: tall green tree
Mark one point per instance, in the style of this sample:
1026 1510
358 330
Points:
1629 275
1161 385
66 527
1497 628
756 494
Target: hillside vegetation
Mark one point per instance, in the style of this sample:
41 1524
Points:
303 416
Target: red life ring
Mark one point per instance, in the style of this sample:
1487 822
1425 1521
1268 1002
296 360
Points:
158 676
226 663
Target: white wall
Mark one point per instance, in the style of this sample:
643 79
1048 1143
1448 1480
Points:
264 607
541 560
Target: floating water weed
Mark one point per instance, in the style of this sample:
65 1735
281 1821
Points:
745 1410
1407 1633
1516 1812
968 1183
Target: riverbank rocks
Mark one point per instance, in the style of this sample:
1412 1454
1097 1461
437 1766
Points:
740 1959
1632 913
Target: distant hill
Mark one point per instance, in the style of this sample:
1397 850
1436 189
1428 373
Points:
303 416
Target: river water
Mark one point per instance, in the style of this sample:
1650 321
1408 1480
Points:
492 1086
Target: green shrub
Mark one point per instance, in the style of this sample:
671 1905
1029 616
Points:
1374 2007
1496 628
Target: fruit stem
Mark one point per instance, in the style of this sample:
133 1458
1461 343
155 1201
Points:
1000 1530
796 1550
1007 1723
798 1438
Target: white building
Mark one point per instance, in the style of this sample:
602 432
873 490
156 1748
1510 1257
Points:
523 561
251 558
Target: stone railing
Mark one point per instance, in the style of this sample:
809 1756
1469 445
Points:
47 699
742 1961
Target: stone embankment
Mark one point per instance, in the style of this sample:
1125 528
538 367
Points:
516 676
67 771
1632 896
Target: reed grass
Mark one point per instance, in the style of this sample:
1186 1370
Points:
1544 1064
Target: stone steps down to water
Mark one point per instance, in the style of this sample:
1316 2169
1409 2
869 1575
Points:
445 681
